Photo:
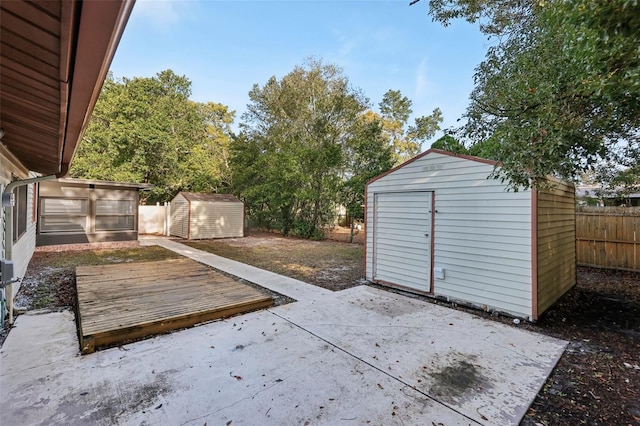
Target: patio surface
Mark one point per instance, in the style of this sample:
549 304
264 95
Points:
359 356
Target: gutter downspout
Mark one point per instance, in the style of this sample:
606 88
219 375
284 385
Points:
8 235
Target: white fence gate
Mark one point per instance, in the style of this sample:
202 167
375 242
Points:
154 220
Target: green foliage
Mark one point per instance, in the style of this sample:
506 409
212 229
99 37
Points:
395 110
449 143
558 94
289 159
147 130
368 155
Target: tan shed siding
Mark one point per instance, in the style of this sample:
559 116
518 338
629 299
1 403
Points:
482 233
556 244
211 219
179 217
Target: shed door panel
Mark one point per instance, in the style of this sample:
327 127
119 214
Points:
179 219
402 239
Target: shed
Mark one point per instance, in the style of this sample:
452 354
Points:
76 211
200 216
437 226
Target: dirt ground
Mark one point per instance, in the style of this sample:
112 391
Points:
596 382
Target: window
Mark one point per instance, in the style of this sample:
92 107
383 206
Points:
20 212
115 215
63 215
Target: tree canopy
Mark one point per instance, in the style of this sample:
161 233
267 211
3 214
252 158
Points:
147 130
558 94
307 143
395 110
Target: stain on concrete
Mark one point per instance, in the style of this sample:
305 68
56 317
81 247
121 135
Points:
458 378
107 403
388 307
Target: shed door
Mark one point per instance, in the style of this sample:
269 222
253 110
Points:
402 239
179 219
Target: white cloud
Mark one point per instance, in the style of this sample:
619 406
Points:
163 14
423 85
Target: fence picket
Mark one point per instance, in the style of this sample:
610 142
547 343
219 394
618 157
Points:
607 237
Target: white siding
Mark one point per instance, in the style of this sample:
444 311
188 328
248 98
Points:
482 232
216 219
402 245
23 249
179 217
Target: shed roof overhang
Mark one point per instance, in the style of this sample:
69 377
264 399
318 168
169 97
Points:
54 57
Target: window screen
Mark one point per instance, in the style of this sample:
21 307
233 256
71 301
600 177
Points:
63 215
20 212
115 215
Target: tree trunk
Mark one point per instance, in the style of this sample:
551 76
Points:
352 220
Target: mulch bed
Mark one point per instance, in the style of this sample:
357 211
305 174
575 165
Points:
597 380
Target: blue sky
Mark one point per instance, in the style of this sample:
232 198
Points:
225 47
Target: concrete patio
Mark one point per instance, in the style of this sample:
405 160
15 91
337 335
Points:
359 356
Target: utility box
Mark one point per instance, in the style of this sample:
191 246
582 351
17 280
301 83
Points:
6 272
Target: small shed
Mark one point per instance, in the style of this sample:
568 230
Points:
79 211
437 226
200 216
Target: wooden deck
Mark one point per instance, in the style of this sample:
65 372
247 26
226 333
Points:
128 301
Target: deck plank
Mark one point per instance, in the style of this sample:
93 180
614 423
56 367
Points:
127 301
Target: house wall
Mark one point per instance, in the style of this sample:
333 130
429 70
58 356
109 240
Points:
91 193
216 219
556 244
482 232
23 249
179 226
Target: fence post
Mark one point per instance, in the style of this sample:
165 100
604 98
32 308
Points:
167 218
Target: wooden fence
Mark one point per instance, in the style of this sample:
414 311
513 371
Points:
608 237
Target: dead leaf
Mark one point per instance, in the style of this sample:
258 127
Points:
380 386
229 422
158 407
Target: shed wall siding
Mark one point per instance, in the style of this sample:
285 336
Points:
556 244
179 217
211 219
482 233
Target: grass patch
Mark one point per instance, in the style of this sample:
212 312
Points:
332 265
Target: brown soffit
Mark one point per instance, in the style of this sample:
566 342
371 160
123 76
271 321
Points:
54 58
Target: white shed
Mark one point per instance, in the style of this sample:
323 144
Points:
437 226
201 216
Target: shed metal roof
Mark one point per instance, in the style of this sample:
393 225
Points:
105 183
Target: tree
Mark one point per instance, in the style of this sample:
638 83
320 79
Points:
559 92
449 143
395 110
289 160
368 155
147 130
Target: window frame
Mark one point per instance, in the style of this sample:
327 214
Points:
131 215
43 216
19 225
